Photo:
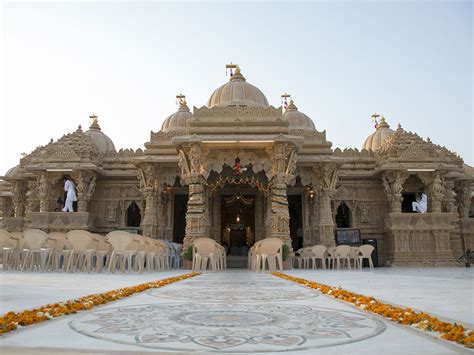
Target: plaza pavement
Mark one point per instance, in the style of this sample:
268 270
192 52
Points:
237 311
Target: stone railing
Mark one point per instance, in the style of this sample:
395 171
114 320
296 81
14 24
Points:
419 238
60 221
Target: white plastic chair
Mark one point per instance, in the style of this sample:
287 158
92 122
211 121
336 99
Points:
271 253
332 257
36 255
102 252
61 250
204 251
365 252
8 244
83 247
253 260
342 255
120 241
353 256
320 252
162 255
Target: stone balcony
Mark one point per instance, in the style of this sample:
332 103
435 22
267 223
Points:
60 221
419 238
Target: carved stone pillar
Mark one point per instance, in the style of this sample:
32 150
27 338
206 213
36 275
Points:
190 165
437 192
195 215
148 187
149 223
85 189
283 170
327 176
449 201
279 214
326 221
44 191
160 211
19 198
463 198
31 196
393 185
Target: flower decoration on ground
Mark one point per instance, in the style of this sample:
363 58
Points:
420 320
13 320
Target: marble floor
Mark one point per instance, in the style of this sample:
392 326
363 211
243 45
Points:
236 311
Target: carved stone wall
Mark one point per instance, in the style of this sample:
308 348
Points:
60 221
419 238
110 202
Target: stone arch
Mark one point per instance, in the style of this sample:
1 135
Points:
343 216
410 188
133 215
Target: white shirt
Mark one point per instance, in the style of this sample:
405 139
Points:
70 188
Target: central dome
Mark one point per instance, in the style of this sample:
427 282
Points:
237 92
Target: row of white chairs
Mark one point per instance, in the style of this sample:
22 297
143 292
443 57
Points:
266 253
334 257
80 250
208 255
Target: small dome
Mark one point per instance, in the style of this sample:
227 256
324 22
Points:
177 121
376 139
12 172
237 92
297 119
103 143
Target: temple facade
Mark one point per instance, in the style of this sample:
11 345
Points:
239 170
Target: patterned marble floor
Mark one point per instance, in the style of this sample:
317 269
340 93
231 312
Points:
236 311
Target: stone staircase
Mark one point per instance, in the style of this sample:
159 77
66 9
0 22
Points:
236 261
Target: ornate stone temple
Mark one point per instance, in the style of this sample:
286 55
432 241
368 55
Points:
239 170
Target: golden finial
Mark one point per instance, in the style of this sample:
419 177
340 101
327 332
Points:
231 67
375 117
284 100
93 120
181 99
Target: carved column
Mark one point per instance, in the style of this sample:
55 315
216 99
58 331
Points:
190 165
44 191
160 211
19 197
449 201
463 198
327 176
86 182
195 215
148 187
279 214
31 196
393 185
437 192
284 168
326 221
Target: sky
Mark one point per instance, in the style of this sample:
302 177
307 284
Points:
62 61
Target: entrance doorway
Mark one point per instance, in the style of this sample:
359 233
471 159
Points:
179 222
295 208
238 221
134 216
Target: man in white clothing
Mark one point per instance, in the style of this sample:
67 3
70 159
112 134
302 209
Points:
70 189
421 204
